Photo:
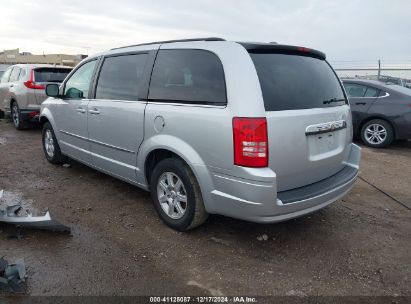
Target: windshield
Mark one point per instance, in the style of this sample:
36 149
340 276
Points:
50 74
291 82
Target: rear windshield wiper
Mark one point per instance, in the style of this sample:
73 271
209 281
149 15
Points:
333 100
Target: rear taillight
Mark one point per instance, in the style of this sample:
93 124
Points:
31 84
250 142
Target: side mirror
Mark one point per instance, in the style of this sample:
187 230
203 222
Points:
52 90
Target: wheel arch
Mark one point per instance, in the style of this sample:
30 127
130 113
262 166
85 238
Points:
12 99
46 116
161 146
43 120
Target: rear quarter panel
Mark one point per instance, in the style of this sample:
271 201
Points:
19 93
397 110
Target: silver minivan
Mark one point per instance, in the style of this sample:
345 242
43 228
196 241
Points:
255 131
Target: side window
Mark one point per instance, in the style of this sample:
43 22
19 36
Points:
120 77
78 84
14 74
189 76
371 92
355 90
22 74
6 75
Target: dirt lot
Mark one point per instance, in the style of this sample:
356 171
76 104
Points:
360 245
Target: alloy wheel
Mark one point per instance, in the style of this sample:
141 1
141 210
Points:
172 195
15 114
375 134
49 143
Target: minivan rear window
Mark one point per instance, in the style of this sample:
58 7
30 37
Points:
50 74
188 76
292 82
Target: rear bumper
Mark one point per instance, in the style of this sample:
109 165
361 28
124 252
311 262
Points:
31 115
259 201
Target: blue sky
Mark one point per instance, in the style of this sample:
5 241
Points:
344 30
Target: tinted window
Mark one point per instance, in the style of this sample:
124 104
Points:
355 90
191 76
371 92
14 74
6 75
290 82
120 76
78 84
50 74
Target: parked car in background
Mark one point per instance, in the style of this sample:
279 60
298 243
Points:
209 126
22 90
381 113
393 80
386 79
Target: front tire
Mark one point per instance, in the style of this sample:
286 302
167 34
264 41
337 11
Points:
51 147
176 195
377 133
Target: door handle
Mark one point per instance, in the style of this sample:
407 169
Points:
360 103
12 85
81 110
94 111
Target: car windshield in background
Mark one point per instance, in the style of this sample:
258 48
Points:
50 74
292 82
400 89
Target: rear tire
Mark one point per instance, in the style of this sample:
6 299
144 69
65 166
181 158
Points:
377 133
176 195
51 147
16 117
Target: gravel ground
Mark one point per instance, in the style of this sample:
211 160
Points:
360 245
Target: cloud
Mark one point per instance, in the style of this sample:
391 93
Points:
352 29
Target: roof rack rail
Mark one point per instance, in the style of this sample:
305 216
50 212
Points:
171 41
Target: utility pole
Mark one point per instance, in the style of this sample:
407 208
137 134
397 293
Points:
379 69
